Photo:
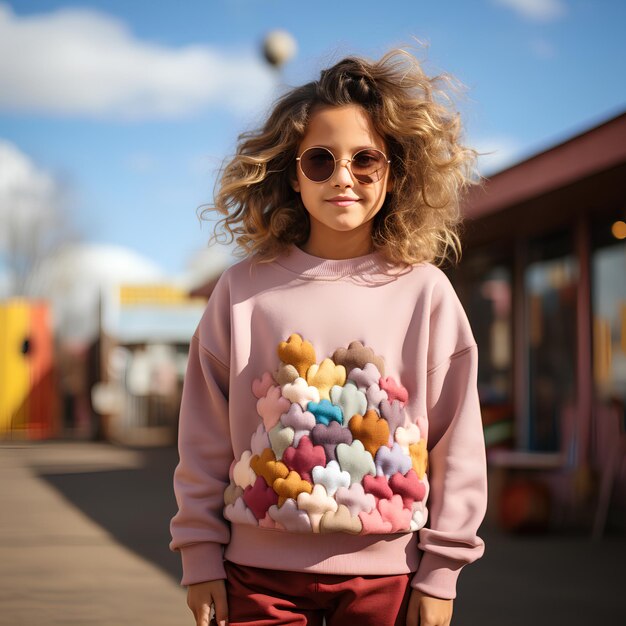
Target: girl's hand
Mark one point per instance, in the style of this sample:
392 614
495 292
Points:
428 611
201 596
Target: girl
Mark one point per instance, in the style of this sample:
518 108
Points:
332 460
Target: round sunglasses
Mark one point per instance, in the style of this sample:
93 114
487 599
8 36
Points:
319 164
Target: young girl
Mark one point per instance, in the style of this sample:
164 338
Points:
332 460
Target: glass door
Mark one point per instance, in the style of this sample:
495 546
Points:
608 273
484 285
550 283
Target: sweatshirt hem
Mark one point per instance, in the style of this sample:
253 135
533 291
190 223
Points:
333 553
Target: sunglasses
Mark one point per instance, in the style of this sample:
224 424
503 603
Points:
319 164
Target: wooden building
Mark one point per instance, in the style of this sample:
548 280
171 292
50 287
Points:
543 279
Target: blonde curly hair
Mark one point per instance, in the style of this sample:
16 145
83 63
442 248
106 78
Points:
420 219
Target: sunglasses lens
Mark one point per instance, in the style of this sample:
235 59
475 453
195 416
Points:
317 164
368 166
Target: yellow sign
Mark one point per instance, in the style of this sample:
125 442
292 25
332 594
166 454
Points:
155 294
14 367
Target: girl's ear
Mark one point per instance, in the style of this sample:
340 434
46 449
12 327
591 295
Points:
295 185
389 187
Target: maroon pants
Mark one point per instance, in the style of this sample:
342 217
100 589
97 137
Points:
266 597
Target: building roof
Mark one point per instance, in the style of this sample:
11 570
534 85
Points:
593 151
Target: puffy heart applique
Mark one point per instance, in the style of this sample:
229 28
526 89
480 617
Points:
281 437
409 487
340 520
231 493
393 511
419 518
290 517
272 406
375 395
394 390
356 355
335 449
298 353
325 412
406 436
316 504
371 430
419 456
285 374
243 475
304 458
291 487
373 523
350 399
325 376
391 461
355 499
329 437
355 460
298 419
268 467
377 486
260 440
301 392
393 412
366 376
239 513
331 476
259 497
268 522
261 385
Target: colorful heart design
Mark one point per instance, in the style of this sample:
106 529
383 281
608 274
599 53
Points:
335 449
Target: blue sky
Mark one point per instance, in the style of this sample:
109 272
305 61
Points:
131 106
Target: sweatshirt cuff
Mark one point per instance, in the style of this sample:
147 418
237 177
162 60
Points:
436 576
202 562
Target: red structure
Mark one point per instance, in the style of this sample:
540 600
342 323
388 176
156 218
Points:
29 405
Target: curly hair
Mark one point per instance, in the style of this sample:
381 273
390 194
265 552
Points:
420 219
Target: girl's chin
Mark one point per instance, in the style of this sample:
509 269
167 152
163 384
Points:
340 219
344 226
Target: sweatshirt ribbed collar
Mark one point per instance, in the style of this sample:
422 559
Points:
308 265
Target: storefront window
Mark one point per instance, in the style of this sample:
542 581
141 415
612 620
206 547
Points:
608 267
550 280
483 284
608 300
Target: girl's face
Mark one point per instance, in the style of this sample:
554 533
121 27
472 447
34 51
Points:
344 130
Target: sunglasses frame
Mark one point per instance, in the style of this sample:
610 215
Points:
348 165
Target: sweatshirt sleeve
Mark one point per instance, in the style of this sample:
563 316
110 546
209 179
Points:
457 500
199 530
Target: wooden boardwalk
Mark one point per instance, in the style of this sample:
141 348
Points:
84 533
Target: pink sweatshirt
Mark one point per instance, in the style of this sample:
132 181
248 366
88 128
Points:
330 423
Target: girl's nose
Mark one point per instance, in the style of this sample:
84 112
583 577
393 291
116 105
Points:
342 176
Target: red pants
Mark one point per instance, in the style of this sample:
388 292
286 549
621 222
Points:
266 597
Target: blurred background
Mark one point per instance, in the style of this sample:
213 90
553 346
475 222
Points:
114 120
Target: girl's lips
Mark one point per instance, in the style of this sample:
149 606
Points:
342 202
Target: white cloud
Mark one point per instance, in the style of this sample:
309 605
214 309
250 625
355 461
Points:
27 193
84 62
539 10
205 263
33 217
73 277
500 153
